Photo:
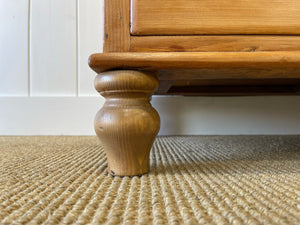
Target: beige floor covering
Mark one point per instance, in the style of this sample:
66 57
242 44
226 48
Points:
193 180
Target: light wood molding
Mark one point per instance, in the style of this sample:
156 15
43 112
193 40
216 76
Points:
171 17
127 124
215 43
195 60
117 26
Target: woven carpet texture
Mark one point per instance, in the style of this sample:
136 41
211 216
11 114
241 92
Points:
193 180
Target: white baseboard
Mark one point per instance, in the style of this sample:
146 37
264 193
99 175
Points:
179 115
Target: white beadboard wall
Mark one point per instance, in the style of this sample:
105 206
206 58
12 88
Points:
46 86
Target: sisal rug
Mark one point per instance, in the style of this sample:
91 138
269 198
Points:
193 180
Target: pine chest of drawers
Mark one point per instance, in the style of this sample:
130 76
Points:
187 47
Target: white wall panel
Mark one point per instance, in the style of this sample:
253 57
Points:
13 47
53 48
90 40
55 32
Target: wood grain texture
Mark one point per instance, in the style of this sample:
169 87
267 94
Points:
215 43
117 26
195 60
127 124
229 73
170 17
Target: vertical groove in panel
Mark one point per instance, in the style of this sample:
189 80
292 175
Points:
77 3
90 38
28 43
53 48
13 48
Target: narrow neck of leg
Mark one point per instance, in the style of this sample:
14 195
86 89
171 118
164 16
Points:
124 94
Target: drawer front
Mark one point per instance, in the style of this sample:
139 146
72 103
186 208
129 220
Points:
175 17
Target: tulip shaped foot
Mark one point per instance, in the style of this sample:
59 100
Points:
127 124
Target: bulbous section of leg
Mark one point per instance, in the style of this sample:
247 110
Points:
127 124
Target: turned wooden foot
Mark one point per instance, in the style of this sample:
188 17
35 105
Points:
127 124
